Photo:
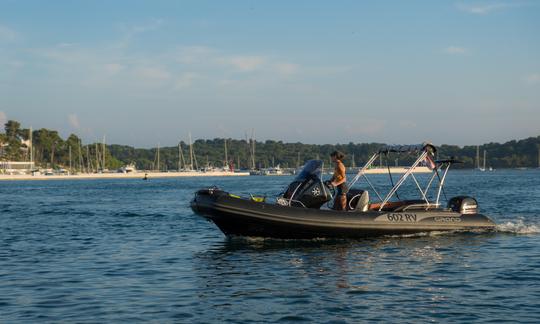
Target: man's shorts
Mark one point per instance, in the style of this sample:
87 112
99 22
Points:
342 189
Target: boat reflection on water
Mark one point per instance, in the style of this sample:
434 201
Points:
302 272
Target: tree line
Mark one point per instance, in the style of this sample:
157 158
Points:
51 151
48 150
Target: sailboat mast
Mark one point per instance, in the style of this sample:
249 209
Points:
31 146
190 153
97 158
226 157
70 171
249 152
484 159
88 159
103 152
253 148
158 157
478 156
183 161
80 158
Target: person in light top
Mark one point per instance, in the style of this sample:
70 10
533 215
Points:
339 180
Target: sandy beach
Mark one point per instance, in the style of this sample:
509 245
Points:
137 175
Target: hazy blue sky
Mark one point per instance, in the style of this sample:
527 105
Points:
143 72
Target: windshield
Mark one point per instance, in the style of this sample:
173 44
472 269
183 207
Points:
312 168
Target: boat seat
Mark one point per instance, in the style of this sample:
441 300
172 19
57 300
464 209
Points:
358 200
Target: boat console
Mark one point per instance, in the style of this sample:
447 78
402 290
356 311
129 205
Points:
307 190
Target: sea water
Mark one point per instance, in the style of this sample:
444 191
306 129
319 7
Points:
132 250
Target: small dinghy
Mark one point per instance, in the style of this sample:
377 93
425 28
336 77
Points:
299 213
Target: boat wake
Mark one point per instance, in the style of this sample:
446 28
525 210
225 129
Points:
518 227
263 240
256 239
422 234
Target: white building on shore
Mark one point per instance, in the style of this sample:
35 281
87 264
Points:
11 167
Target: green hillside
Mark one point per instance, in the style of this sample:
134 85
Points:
50 150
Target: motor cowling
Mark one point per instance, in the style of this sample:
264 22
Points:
307 189
310 193
463 205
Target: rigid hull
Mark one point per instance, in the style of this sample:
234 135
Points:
244 217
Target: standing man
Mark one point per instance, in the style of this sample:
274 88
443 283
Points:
339 180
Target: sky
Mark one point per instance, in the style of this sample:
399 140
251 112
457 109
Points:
147 72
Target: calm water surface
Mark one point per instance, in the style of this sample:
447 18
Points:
132 250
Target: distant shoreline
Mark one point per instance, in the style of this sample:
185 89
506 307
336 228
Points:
187 174
137 175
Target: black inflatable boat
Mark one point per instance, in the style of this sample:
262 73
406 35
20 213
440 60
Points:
297 212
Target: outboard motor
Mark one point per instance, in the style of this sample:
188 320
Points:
463 205
307 189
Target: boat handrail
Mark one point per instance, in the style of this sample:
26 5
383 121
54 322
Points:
351 200
294 193
293 200
417 206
